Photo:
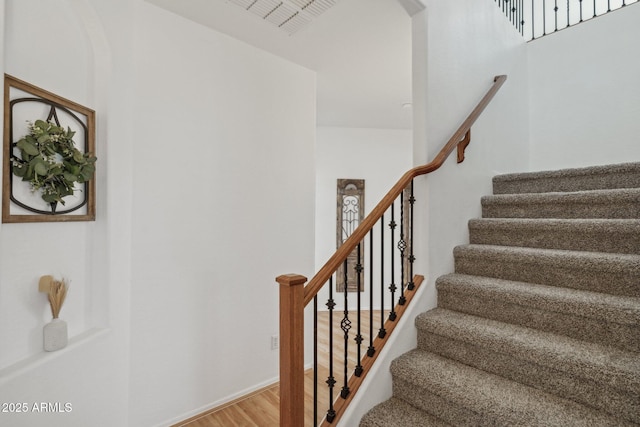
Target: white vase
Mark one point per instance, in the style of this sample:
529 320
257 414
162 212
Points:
55 335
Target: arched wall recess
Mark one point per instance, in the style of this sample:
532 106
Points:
95 269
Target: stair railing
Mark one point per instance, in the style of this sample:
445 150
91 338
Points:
397 247
538 18
515 12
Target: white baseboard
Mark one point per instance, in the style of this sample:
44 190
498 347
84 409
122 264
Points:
221 403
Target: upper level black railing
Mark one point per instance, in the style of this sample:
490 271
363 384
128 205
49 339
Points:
538 18
350 333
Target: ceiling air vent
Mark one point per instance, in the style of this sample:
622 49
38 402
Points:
288 15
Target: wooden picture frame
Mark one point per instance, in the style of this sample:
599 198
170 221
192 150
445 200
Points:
25 102
349 215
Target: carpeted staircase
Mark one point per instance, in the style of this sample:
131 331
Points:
540 323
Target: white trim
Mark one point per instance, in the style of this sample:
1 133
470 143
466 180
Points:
220 403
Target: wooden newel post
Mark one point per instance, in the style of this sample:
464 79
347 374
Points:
291 349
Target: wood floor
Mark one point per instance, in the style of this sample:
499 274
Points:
261 409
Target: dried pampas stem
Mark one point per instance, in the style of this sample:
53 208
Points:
57 294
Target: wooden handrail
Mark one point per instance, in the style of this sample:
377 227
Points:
459 137
294 295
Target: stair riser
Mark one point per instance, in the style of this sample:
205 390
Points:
436 400
444 409
596 209
398 413
592 238
625 337
616 278
610 367
600 396
566 185
595 178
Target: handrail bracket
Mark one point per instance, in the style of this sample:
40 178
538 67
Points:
462 145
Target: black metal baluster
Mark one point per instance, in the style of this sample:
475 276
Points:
533 14
315 360
412 200
392 286
568 13
371 350
512 11
358 338
594 9
518 12
331 381
522 21
382 332
544 17
402 246
580 10
555 10
345 325
608 5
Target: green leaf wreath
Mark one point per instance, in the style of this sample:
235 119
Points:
50 162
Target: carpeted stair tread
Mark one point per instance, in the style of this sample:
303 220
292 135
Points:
615 368
397 413
610 203
539 325
617 274
600 377
625 310
591 316
625 175
469 396
594 235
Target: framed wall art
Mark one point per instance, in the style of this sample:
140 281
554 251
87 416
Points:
48 155
349 215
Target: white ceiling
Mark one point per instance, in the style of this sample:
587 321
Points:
360 50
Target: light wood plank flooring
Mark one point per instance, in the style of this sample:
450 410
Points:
261 409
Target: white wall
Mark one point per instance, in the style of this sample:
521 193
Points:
223 203
173 297
91 373
468 43
584 93
379 156
459 46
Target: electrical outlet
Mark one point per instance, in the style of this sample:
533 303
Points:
275 342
